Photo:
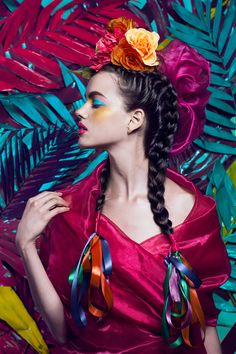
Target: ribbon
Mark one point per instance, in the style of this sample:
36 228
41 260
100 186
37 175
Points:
182 307
91 272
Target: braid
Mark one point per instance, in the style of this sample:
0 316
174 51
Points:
163 128
152 92
104 177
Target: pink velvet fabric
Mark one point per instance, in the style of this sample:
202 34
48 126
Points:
134 323
189 73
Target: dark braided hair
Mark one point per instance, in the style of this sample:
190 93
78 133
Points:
152 92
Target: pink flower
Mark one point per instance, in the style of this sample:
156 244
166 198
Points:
106 43
103 51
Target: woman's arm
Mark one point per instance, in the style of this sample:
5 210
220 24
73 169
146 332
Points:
212 343
44 294
38 212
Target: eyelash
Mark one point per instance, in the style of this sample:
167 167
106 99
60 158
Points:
96 105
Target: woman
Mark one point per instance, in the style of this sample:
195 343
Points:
141 207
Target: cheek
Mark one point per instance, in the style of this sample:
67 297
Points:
102 113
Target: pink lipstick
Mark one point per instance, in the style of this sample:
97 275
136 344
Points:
82 128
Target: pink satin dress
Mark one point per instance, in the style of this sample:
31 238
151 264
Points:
138 270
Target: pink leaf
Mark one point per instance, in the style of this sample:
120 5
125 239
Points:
61 52
28 74
70 43
38 60
81 34
17 83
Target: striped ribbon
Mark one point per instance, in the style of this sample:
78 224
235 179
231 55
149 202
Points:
182 306
91 272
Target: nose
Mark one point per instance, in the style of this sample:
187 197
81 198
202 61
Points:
80 113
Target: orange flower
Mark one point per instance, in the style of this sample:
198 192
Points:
145 43
124 55
121 25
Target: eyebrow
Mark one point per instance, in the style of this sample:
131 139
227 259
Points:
93 93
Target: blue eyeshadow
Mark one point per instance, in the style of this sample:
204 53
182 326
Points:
96 101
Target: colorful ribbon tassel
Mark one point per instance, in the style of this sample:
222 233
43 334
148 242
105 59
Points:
91 272
182 307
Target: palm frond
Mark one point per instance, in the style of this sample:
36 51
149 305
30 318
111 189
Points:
42 34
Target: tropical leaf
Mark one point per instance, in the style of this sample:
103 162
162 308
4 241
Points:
42 34
222 187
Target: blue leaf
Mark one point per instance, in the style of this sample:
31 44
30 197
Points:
227 25
186 29
192 39
209 55
232 69
208 14
15 114
60 109
219 81
221 105
4 138
219 133
216 23
188 5
188 16
234 89
217 69
220 94
230 49
29 110
101 157
200 10
66 74
215 147
46 111
219 120
10 5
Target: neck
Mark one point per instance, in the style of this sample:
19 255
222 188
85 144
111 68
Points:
128 173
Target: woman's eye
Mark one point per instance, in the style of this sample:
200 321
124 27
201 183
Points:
97 103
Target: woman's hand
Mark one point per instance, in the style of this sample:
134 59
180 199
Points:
39 210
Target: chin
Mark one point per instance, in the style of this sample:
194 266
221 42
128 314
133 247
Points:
86 145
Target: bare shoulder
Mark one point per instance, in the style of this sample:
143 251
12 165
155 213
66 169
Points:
179 201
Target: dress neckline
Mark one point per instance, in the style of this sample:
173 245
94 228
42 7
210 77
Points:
174 176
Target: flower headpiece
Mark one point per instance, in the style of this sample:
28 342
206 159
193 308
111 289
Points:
123 44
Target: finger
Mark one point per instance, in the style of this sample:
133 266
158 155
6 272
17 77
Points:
45 194
53 203
56 211
44 200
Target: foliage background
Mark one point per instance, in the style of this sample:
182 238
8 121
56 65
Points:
41 41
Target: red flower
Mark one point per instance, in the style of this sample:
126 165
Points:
103 51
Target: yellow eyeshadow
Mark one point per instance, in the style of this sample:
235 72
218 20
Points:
101 112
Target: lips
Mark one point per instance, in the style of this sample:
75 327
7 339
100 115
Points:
81 126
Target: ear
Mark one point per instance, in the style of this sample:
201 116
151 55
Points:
136 120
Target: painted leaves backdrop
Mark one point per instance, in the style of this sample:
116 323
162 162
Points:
41 42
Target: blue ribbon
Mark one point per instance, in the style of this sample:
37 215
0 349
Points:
183 269
77 311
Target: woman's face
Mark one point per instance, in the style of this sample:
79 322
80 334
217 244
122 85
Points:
103 113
